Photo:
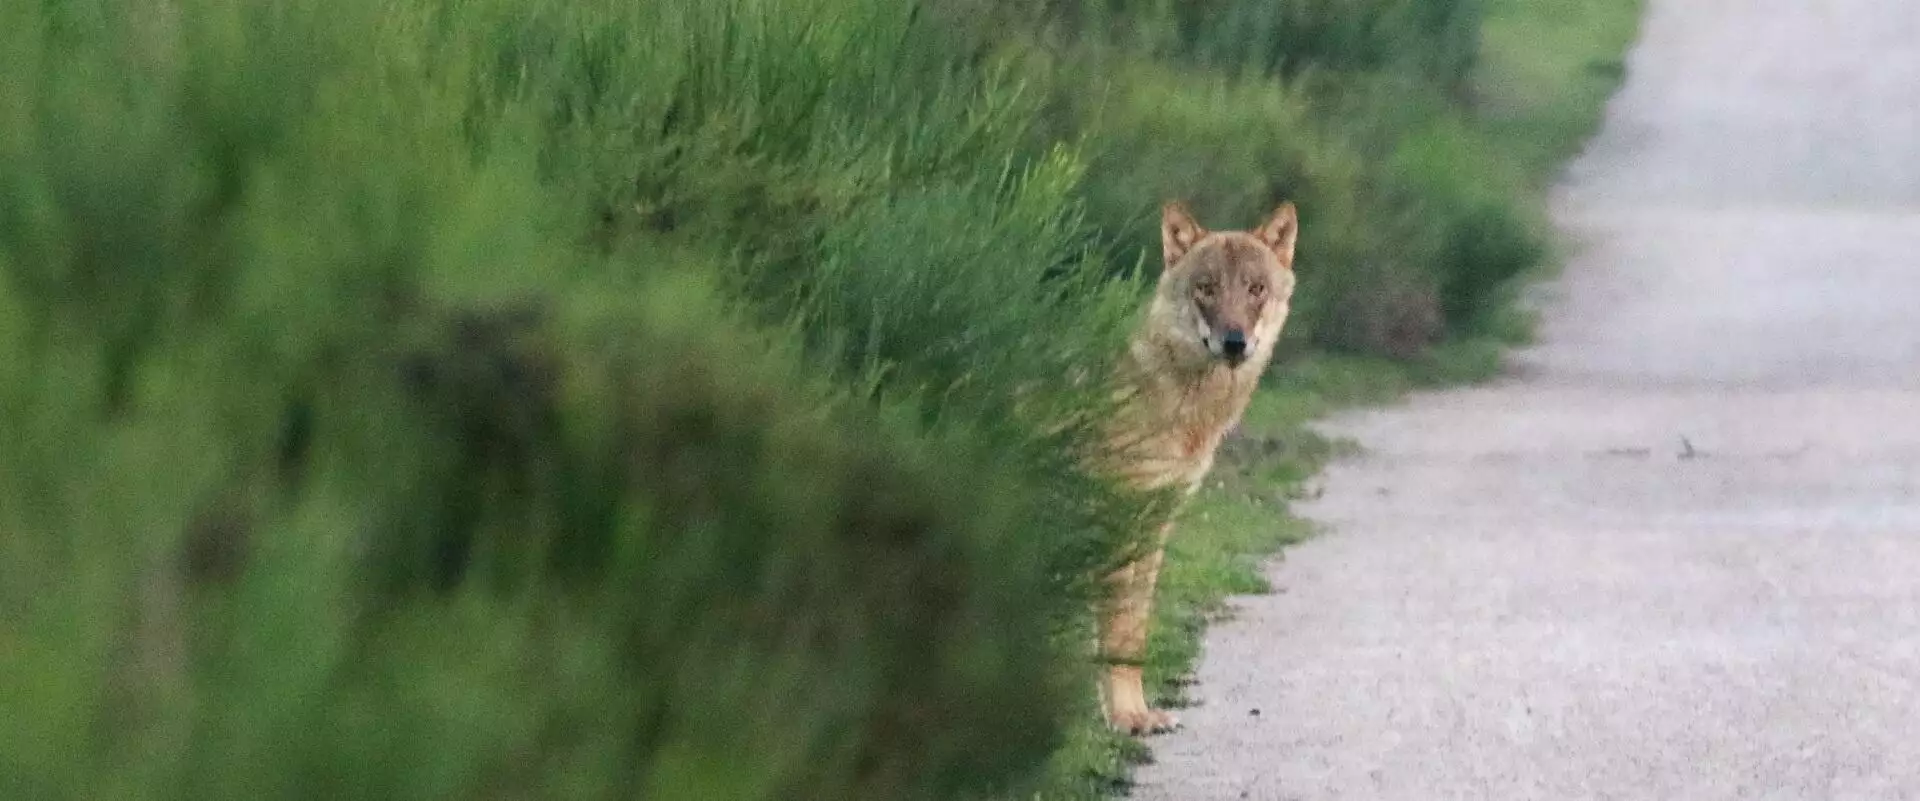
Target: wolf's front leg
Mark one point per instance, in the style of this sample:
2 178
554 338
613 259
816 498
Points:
1123 643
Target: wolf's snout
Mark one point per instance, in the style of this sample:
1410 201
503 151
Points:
1234 345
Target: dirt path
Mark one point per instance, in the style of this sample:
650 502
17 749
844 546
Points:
1677 556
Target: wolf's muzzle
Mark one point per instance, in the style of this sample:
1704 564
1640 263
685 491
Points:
1233 346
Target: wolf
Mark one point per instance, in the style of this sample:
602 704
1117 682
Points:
1182 384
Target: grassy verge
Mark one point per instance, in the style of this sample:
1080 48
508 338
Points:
1547 69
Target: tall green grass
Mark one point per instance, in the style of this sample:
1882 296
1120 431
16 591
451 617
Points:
594 399
344 463
1436 40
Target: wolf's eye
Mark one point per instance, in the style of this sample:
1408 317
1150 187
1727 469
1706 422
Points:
1257 288
1204 289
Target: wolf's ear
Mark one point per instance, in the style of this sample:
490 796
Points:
1178 232
1280 231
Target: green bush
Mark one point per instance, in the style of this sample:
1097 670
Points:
581 399
866 192
345 470
1435 39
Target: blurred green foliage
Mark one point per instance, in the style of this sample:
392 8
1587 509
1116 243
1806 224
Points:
590 399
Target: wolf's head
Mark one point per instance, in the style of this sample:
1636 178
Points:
1223 295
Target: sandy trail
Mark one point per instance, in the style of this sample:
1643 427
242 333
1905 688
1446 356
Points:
1677 554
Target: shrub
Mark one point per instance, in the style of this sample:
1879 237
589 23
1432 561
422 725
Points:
1435 39
865 191
343 470
579 398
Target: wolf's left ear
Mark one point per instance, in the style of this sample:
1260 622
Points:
1280 231
1178 232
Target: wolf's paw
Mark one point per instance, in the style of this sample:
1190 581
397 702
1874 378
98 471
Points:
1143 722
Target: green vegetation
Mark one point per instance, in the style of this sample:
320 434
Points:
584 399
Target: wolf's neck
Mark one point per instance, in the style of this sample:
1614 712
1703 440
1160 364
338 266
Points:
1187 387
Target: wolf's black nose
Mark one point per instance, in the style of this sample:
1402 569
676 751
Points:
1234 344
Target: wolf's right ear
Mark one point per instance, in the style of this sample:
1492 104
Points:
1178 232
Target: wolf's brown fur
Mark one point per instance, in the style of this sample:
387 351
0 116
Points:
1183 388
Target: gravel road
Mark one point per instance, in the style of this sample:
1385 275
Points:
1676 555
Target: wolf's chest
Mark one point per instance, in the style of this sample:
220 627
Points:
1197 442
